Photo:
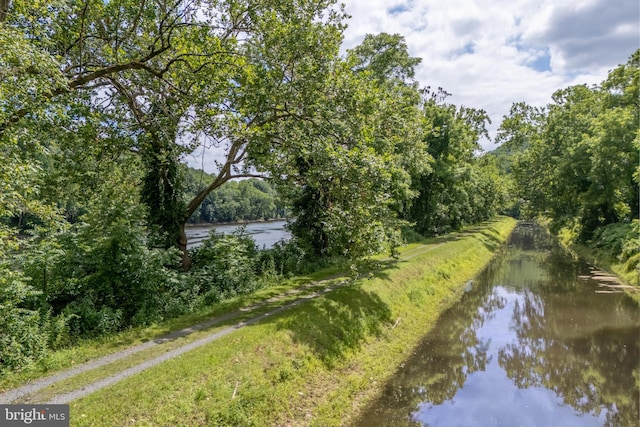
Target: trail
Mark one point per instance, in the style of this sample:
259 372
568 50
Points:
28 392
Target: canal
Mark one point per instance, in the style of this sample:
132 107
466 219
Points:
540 338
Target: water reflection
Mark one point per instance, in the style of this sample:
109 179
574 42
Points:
530 345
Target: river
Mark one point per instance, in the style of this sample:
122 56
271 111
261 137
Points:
536 340
265 234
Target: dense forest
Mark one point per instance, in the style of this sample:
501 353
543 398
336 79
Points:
238 201
100 101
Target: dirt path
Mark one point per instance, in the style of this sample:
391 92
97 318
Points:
29 391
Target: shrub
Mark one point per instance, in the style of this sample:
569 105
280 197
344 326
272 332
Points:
283 259
100 270
225 265
630 248
409 235
25 334
611 237
620 241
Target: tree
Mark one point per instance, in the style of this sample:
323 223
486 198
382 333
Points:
386 58
454 193
173 71
580 155
350 177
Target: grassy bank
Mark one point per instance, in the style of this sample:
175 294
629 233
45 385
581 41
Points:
314 364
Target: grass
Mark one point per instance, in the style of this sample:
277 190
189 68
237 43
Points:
317 363
90 349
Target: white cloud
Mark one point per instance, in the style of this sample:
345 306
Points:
588 34
489 54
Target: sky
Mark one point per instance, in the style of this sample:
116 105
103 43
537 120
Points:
491 53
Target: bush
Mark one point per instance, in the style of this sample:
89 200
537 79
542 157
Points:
630 248
100 270
620 241
611 237
224 266
283 259
25 334
409 235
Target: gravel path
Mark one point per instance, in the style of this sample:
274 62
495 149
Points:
19 394
22 393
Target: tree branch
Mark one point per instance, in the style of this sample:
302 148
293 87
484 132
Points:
237 153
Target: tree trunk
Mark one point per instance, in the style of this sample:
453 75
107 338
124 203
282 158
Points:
4 9
182 245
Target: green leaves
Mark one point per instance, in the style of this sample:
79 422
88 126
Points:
386 58
458 189
577 157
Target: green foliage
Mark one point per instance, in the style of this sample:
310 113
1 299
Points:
100 272
28 73
161 193
460 188
577 160
25 334
289 258
620 241
168 78
409 235
386 57
347 174
225 266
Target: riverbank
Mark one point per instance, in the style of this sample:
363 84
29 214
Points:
606 262
311 359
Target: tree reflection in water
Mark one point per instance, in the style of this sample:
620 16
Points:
530 345
585 360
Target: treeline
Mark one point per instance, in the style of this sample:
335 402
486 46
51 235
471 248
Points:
238 201
576 162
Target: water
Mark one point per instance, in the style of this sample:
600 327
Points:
265 234
535 342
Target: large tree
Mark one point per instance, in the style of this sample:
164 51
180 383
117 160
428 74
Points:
457 190
350 176
170 75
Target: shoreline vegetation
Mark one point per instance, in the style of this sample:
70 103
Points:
316 363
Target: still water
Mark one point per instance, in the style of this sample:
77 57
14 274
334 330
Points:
535 341
265 234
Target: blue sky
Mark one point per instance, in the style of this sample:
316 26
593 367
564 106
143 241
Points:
491 53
